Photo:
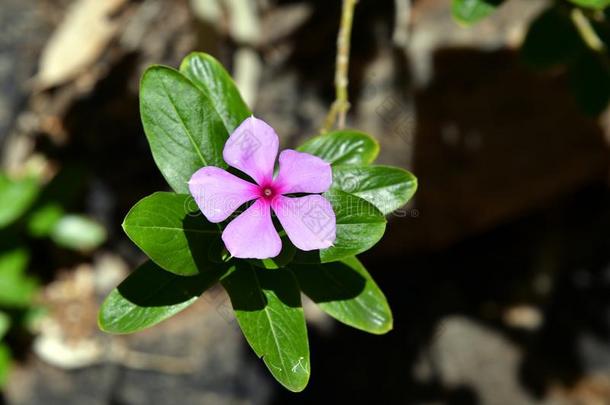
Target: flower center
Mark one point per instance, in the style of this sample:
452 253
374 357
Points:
268 192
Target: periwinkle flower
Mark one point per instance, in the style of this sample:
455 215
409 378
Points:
309 221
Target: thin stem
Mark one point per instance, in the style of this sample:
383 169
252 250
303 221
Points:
338 110
586 30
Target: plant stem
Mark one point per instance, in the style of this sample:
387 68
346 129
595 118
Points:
339 108
586 30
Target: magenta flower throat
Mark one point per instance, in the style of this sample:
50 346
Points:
309 221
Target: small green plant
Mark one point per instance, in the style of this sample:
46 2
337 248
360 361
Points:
29 211
267 235
569 34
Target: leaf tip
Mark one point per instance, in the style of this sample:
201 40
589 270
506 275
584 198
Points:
101 321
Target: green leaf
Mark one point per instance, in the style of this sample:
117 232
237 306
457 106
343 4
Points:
78 232
61 193
343 147
5 324
32 317
5 363
183 128
171 230
590 82
387 188
551 40
212 78
360 225
16 288
471 11
595 4
42 221
16 196
150 295
347 292
267 305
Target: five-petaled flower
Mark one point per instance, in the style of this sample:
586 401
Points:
309 221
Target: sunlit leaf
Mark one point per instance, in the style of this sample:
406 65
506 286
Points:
387 188
78 232
171 230
595 4
343 147
16 288
212 78
182 125
469 12
16 196
267 304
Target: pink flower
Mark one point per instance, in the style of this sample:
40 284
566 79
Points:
309 221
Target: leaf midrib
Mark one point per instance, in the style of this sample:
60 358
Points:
169 228
222 118
188 132
365 190
273 333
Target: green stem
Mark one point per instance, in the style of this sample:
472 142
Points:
586 30
340 106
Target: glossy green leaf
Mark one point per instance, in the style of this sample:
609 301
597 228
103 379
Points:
360 225
267 305
171 230
471 11
595 4
5 324
552 39
78 232
150 295
343 147
5 363
183 128
16 196
212 78
16 288
387 188
347 292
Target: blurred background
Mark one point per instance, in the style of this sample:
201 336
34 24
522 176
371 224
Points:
498 272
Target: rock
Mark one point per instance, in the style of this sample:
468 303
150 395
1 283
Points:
24 29
198 356
467 354
78 41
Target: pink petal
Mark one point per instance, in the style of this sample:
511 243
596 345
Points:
302 173
252 148
218 193
309 221
252 235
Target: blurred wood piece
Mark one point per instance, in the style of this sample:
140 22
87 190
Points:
85 32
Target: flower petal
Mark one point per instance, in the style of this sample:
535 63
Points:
309 221
252 235
218 193
252 148
302 173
